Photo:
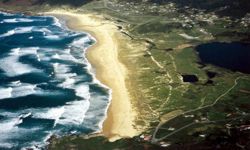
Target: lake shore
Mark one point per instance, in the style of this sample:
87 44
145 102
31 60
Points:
103 56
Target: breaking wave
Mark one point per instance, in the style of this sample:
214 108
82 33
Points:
47 86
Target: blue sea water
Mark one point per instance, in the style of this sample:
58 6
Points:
46 83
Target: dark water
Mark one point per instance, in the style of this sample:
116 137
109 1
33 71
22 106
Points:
45 82
211 74
189 78
234 56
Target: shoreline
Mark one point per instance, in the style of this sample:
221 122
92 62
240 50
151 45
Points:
103 56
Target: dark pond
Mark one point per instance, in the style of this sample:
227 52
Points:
189 78
234 56
211 74
209 82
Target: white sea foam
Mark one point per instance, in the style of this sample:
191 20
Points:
56 56
15 51
9 33
12 67
9 131
31 51
67 57
9 20
17 20
55 66
61 68
22 116
45 31
33 147
21 30
49 113
28 51
6 14
81 41
5 93
19 90
15 83
83 91
38 57
67 51
6 145
24 51
25 115
97 112
74 112
8 125
43 57
57 22
68 83
24 90
46 139
18 30
52 37
24 20
46 54
63 72
8 114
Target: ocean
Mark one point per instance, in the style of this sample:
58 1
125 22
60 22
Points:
47 86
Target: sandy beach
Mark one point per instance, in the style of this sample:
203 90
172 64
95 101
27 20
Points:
103 56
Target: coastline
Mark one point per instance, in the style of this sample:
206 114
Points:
109 70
